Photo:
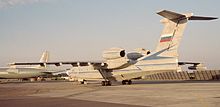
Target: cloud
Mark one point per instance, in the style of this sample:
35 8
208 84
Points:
11 3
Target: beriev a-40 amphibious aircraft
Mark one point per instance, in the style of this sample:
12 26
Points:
119 66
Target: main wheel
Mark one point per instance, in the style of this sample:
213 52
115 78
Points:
123 82
108 83
129 82
103 83
82 82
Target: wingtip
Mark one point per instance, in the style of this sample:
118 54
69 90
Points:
202 18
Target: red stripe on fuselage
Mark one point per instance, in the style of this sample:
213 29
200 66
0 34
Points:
166 40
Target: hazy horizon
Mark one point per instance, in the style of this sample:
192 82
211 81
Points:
74 30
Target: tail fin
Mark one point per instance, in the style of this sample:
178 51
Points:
44 58
172 33
165 56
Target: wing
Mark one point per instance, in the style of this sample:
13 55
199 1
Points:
101 66
195 65
188 63
27 63
74 64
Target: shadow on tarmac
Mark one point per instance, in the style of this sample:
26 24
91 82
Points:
172 81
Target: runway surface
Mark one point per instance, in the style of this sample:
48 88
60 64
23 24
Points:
141 93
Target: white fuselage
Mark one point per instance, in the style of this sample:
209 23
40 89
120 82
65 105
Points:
20 73
84 73
142 68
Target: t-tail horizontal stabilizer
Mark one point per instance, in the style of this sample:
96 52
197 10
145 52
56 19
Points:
176 16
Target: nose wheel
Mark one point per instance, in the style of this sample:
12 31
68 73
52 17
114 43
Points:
106 83
128 82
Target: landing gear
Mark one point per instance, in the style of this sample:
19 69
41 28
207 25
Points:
129 82
124 82
83 82
106 83
33 79
40 79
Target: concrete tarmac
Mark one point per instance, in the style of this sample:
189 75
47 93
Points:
141 93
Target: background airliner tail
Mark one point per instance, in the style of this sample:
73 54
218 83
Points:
44 58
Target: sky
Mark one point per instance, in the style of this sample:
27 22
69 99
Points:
79 30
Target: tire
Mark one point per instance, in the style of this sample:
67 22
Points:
108 83
81 82
123 82
103 83
129 82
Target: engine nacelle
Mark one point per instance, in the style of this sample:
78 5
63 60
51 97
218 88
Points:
134 55
138 53
113 53
142 51
115 58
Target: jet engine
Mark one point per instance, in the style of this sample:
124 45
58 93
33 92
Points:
142 51
115 58
138 53
134 55
113 53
